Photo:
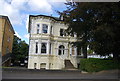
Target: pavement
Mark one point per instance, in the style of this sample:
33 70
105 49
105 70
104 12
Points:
63 75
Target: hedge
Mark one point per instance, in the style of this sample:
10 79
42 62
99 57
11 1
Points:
95 64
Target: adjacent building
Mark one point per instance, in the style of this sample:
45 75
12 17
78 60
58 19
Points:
6 39
49 46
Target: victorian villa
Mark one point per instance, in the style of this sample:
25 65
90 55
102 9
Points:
49 46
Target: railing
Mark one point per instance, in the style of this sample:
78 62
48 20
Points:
73 60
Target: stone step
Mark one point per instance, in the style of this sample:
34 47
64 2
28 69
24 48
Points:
68 65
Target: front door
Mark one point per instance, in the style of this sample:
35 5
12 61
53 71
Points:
62 52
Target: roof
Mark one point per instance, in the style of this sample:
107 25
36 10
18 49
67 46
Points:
6 17
54 18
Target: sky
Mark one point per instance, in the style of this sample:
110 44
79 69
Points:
18 12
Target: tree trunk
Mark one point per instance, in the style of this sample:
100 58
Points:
85 51
115 56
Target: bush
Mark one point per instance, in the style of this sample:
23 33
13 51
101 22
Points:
95 64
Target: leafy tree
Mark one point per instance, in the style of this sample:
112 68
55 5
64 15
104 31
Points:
80 19
96 24
20 50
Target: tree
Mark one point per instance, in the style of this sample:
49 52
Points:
97 24
20 50
80 19
107 28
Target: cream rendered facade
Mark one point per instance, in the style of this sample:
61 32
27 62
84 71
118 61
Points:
47 48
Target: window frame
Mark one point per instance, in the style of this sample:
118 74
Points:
61 50
44 28
45 49
62 32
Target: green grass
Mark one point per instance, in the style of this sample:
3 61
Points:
95 64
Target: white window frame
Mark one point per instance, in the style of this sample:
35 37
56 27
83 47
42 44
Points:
43 28
46 47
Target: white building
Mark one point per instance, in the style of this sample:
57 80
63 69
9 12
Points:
49 47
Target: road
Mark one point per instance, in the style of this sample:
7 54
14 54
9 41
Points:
62 75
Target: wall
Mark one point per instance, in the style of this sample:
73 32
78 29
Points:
6 38
2 23
8 33
53 60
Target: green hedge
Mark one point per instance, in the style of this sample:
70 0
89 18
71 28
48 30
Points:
95 64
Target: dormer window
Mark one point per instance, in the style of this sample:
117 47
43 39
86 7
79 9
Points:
44 28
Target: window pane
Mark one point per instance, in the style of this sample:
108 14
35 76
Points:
61 32
51 30
43 48
61 50
44 28
38 25
36 51
37 31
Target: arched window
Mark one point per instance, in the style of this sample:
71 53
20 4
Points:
43 48
61 50
44 28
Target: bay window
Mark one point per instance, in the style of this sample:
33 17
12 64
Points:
44 28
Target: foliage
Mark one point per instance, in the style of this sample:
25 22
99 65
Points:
96 24
95 64
89 51
20 49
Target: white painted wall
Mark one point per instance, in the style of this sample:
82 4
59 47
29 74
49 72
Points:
53 60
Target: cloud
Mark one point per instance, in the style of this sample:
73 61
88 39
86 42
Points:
18 10
27 22
13 13
57 3
40 6
19 4
26 36
17 34
15 9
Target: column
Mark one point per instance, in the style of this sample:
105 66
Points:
70 51
32 47
48 46
40 28
75 51
56 47
49 27
39 46
81 51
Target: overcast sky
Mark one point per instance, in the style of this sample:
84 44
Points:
18 12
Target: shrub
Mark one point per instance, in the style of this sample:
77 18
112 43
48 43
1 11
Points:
95 64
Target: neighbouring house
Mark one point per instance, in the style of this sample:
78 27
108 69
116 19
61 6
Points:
49 46
6 40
